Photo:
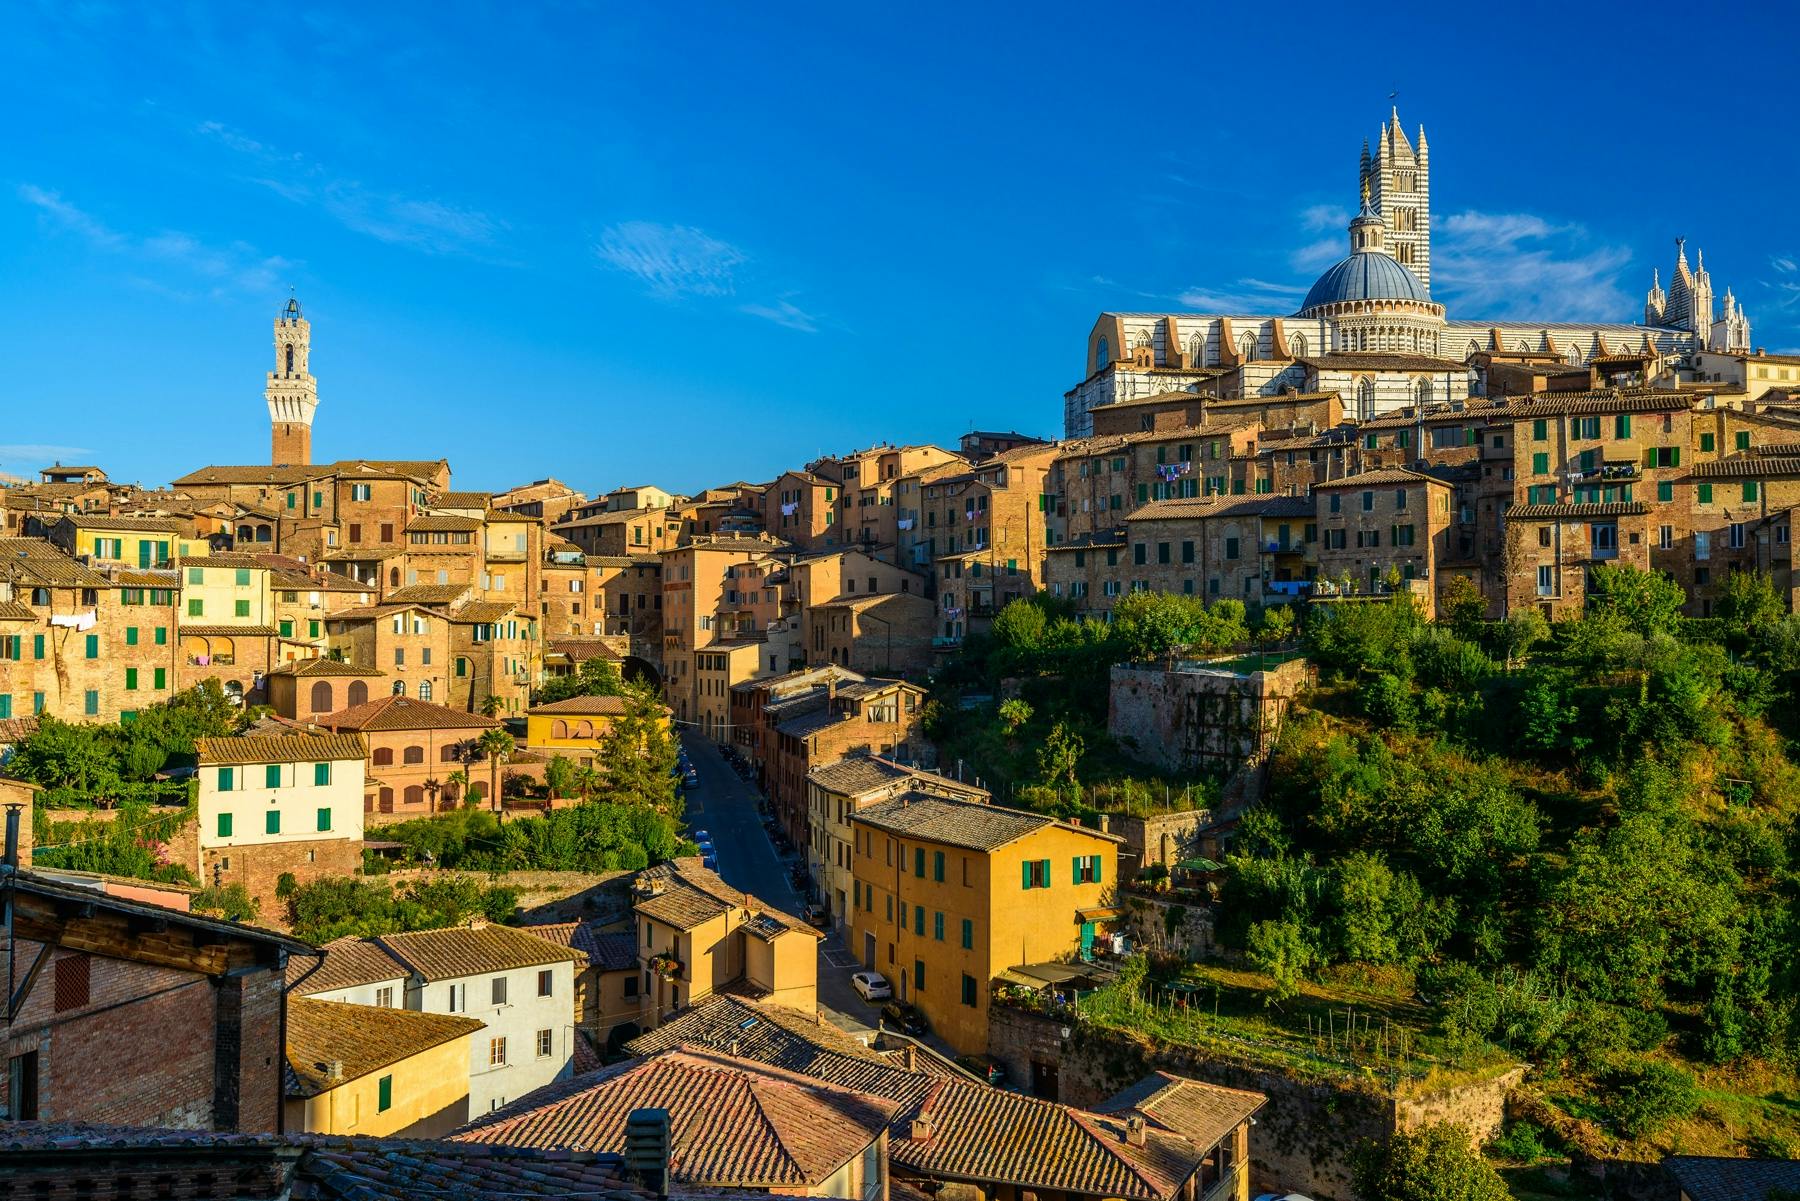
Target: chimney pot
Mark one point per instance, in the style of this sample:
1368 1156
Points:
912 1058
13 813
1134 1130
923 1127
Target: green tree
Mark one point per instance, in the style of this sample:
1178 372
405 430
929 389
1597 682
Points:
560 775
1014 713
1645 1095
1434 1163
233 902
1060 755
1019 626
496 745
594 677
1648 601
491 705
1281 949
638 753
1276 625
1516 634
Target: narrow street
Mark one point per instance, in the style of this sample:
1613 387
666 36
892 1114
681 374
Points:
725 806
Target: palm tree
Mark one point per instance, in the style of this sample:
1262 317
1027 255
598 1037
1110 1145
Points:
457 782
587 781
491 705
497 745
432 787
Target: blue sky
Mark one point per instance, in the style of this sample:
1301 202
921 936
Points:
694 243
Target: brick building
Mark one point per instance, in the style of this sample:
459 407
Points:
835 718
309 690
414 750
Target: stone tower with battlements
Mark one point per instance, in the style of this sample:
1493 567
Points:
291 391
1398 179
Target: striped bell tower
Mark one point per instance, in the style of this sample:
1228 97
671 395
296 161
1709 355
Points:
291 391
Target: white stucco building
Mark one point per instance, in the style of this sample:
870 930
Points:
279 804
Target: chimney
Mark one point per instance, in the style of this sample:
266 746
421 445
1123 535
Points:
13 813
334 1071
1103 823
923 1127
733 1047
912 1058
1134 1129
647 1149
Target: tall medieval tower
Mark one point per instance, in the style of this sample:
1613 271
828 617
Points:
1398 180
291 391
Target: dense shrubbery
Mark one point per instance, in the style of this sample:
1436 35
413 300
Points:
1581 838
597 836
134 843
334 908
90 764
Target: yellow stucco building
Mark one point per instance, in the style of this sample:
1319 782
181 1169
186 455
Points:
143 542
375 1071
697 936
947 894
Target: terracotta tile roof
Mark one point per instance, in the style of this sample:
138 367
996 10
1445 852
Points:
857 774
282 748
145 525
417 469
462 500
428 594
482 612
1441 414
229 631
309 668
608 952
16 729
1201 1113
1750 466
734 1123
980 1133
361 1038
580 649
980 827
1608 400
1381 477
430 522
404 713
1096 539
473 950
1617 508
33 560
625 561
360 554
683 894
224 558
17 611
1714 1178
349 962
147 579
582 706
1179 506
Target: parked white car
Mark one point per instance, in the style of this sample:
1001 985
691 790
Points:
871 986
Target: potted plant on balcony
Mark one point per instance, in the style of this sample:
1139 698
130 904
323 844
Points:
666 966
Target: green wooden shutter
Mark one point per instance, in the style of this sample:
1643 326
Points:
1025 872
384 1094
1076 877
1045 873
1097 872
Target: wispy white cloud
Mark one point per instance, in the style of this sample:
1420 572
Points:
1246 296
1521 266
1783 264
1324 216
784 313
182 262
40 452
671 260
429 225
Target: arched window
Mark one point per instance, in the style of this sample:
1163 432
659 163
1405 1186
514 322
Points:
244 533
1102 353
413 754
290 358
1247 346
262 533
1422 391
584 729
1196 351
321 697
1365 400
394 577
1474 349
559 728
382 756
387 800
1297 346
451 753
359 693
399 687
424 690
414 795
1574 356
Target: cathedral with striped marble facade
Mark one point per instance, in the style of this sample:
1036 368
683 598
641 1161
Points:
1369 329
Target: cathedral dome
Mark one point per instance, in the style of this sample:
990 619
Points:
1365 275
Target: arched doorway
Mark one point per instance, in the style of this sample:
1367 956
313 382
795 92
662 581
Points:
635 669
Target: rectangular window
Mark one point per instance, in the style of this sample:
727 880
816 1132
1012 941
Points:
1749 489
1368 502
546 1042
196 607
919 862
131 679
1736 532
196 575
1540 463
224 825
968 934
1162 552
1665 537
162 636
321 774
240 608
1231 548
499 990
1087 869
131 636
324 816
37 646
1702 545
457 998
968 990
1036 873
93 646
272 776
1703 493
1706 443
937 866
919 920
91 703
937 926
1665 491
1187 552
1139 554
1540 430
227 779
546 982
1743 440
1622 425
272 822
918 975
384 1094
1546 584
496 1052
